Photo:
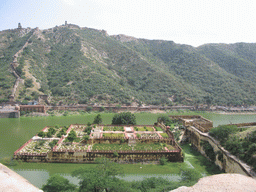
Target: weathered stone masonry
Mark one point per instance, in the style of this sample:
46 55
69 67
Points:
229 162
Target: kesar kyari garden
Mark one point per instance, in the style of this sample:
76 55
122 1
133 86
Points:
123 143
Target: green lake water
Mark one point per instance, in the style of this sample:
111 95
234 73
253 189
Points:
15 132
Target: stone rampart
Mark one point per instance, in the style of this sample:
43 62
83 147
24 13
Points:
229 162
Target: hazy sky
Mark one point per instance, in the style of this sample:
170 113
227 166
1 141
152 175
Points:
193 22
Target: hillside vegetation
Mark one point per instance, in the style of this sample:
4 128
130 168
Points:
83 65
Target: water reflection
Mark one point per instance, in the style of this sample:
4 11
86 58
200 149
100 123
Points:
40 177
140 177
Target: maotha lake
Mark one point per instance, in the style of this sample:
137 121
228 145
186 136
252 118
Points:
15 132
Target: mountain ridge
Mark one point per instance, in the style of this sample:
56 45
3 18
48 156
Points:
83 65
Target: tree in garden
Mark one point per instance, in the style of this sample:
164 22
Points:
58 183
72 136
125 118
41 134
53 143
51 131
86 137
97 119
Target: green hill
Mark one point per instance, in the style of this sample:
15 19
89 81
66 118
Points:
83 65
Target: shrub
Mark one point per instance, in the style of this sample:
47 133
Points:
165 119
223 131
28 83
53 143
115 154
86 137
163 161
190 175
89 108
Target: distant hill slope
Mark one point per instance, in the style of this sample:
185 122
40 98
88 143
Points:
83 65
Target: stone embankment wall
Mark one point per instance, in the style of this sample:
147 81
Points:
116 109
86 156
229 163
10 114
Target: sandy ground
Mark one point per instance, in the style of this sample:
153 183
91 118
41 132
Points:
222 182
13 182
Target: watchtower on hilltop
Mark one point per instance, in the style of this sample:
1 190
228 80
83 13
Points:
19 26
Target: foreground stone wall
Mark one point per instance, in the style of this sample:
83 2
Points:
229 163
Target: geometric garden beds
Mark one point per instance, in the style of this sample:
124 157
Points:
120 143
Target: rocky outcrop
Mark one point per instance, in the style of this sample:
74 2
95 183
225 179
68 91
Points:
222 182
125 38
11 181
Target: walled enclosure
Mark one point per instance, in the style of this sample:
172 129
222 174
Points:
228 162
88 155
